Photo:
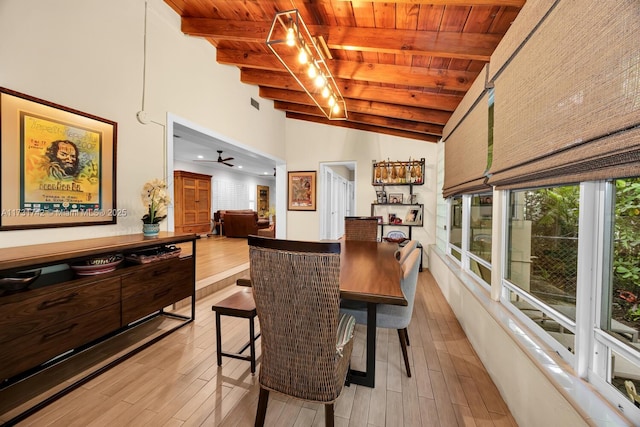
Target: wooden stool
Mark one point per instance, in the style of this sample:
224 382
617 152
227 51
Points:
240 304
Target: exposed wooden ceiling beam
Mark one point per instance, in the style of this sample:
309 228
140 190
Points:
355 113
403 112
364 71
472 46
359 126
179 5
513 3
354 90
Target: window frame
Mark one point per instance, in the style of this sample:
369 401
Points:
466 256
594 345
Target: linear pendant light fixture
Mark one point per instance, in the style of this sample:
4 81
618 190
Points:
289 39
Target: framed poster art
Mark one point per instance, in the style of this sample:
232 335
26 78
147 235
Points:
302 191
57 165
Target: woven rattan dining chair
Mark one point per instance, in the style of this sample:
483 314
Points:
361 228
393 316
306 342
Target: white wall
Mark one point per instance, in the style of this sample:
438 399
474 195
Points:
309 144
88 55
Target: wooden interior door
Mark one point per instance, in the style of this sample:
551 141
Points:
203 202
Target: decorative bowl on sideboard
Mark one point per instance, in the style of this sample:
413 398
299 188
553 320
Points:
97 265
19 281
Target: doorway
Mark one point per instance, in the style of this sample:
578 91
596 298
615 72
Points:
338 190
182 136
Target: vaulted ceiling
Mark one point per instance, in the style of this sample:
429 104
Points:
402 67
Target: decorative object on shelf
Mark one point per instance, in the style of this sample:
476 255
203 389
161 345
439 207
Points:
413 199
395 236
19 281
156 201
402 173
392 218
395 198
394 172
381 197
57 165
302 191
398 172
153 254
290 41
150 230
98 265
414 216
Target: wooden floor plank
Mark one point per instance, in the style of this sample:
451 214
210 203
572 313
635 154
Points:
176 382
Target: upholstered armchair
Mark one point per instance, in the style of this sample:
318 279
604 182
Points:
394 316
240 223
306 342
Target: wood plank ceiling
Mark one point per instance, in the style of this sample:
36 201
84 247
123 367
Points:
402 66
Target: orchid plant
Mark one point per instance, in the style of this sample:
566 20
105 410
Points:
156 200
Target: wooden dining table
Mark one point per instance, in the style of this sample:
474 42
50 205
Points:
370 273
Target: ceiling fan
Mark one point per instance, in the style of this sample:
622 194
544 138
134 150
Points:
220 159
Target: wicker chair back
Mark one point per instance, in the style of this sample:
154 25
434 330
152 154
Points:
296 289
361 228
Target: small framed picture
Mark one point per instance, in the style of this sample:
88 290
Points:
395 198
302 191
381 197
392 218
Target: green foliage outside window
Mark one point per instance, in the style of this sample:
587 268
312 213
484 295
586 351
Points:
626 252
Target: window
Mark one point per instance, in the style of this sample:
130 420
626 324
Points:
622 314
470 233
543 245
455 227
618 336
542 258
572 262
479 236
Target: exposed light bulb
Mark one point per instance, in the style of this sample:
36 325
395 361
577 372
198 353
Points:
312 72
336 108
325 92
302 56
290 37
320 80
332 101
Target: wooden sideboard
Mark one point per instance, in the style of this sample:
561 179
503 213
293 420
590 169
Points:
61 313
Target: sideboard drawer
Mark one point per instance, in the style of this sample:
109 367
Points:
157 285
31 350
33 314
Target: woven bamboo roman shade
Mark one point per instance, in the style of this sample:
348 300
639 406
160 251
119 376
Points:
567 105
466 138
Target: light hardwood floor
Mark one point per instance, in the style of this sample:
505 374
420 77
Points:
176 382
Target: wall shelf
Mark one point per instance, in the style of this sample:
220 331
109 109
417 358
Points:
397 174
